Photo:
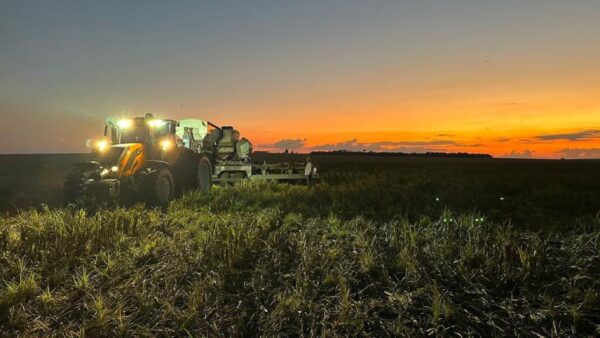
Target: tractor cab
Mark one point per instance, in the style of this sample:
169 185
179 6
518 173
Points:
154 160
139 158
156 137
157 133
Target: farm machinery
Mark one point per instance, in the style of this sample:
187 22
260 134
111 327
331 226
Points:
145 159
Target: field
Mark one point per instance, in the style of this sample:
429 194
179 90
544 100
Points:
383 246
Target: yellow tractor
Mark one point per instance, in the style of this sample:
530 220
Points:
154 160
139 159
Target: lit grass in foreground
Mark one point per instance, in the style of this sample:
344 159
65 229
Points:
255 259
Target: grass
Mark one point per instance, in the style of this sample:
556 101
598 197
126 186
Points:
375 250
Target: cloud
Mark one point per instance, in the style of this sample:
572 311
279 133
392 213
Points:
577 136
580 153
387 146
522 154
290 144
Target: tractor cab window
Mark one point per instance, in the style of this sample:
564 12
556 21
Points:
161 131
138 134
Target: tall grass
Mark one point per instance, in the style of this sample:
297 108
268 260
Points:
266 259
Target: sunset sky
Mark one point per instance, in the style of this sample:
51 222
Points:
513 78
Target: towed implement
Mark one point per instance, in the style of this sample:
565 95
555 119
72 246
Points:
150 160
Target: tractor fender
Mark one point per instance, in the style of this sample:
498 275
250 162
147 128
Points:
150 167
154 164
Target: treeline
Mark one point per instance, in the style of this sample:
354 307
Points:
374 153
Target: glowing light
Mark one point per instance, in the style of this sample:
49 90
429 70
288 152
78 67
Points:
104 172
156 123
114 169
102 145
125 123
166 144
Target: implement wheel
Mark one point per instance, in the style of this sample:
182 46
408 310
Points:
204 175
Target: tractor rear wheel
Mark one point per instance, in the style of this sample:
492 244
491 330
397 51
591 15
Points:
160 187
184 171
204 175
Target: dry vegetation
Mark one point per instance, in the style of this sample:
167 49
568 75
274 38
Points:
384 249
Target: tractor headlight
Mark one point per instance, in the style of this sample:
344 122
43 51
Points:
114 169
125 123
166 144
104 172
102 145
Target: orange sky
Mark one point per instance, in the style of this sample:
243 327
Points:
501 123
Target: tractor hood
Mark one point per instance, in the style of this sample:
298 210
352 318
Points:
122 160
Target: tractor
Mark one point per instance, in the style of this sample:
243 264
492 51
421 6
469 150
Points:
139 159
145 159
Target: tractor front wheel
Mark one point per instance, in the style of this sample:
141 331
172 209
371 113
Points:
160 187
73 188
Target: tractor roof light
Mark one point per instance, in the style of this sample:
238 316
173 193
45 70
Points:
124 123
156 123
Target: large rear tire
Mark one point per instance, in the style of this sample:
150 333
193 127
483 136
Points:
204 175
184 171
160 187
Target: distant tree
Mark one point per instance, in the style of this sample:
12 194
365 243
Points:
387 154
